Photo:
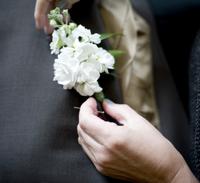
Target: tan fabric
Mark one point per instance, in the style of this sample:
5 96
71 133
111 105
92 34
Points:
135 67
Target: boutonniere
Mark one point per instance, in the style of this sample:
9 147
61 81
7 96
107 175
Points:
80 60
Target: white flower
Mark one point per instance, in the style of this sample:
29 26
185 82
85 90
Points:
59 40
55 44
103 59
84 35
85 50
95 38
80 61
66 52
70 40
72 36
88 72
81 51
88 89
81 33
66 71
106 59
87 83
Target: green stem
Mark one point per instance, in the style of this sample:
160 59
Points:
99 96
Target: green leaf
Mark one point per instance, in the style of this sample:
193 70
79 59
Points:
109 35
116 53
99 96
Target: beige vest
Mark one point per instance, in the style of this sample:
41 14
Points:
134 68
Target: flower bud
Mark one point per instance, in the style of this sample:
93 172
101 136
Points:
59 17
53 23
66 16
72 26
65 13
55 11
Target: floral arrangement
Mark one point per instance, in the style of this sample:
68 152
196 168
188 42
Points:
80 61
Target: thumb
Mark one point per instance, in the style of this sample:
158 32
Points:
121 112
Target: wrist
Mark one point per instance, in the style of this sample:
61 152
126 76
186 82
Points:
176 169
183 175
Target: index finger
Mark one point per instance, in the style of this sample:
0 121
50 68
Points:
89 107
91 124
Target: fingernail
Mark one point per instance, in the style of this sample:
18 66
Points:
108 101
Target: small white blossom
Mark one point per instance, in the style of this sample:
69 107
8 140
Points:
55 44
88 72
70 41
66 71
95 38
85 51
87 83
84 35
81 51
66 52
103 60
88 89
106 60
58 40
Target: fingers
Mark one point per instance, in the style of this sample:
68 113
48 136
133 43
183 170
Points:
86 150
121 112
42 8
89 145
89 142
89 107
94 126
40 12
47 28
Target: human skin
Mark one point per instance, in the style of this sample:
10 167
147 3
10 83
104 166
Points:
42 8
135 151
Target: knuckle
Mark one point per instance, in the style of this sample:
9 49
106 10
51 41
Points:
115 142
81 125
99 168
78 129
79 140
82 120
102 157
103 160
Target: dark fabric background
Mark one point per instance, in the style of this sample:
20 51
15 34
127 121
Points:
177 27
38 138
195 104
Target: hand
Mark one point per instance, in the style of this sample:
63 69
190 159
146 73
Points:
135 151
42 8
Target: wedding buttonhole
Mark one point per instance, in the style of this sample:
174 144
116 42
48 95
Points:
80 60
